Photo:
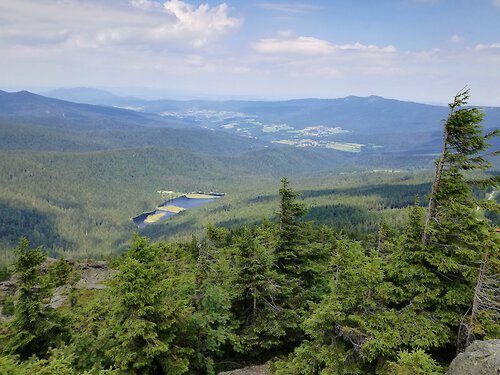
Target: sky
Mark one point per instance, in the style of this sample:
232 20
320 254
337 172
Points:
419 50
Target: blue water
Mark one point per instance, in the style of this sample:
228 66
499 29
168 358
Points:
182 201
186 202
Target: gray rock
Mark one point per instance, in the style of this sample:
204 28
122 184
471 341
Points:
252 370
59 297
7 288
94 274
480 358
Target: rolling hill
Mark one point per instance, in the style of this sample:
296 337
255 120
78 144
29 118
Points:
380 125
73 174
33 122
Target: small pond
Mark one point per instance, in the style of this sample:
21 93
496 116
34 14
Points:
174 206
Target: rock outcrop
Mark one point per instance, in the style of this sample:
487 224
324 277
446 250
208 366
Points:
480 358
252 370
92 275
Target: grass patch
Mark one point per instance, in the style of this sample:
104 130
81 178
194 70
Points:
171 208
201 196
348 147
155 217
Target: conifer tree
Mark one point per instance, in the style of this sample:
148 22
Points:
299 256
261 308
455 236
35 327
214 297
299 261
148 324
463 145
344 332
290 230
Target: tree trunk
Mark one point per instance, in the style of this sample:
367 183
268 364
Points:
431 209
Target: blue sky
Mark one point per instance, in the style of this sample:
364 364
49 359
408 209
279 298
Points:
421 50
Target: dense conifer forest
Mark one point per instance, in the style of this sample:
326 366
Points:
306 296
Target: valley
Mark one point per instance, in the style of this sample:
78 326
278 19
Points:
249 187
240 271
74 175
378 125
175 206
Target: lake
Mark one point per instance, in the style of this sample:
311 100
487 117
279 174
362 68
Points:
174 206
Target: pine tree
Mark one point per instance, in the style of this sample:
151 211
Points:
483 320
347 330
455 236
300 261
291 234
148 324
264 315
214 297
35 327
463 143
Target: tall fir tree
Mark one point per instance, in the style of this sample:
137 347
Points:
148 323
264 316
300 261
36 327
455 235
291 235
214 297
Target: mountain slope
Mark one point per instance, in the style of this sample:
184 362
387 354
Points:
85 95
381 125
33 122
28 108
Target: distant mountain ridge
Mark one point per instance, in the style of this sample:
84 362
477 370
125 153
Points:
370 125
24 105
366 119
86 95
33 122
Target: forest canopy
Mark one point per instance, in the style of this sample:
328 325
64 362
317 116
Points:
307 298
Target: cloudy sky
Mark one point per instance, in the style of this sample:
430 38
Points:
422 50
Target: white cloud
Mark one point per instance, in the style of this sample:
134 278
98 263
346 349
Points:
140 23
301 45
455 38
145 4
367 48
305 45
176 44
482 47
176 22
203 23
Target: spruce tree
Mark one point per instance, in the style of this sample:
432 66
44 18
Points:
291 234
300 261
347 331
463 150
262 309
36 326
214 297
148 322
455 236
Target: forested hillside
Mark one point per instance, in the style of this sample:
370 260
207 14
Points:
74 174
304 297
381 125
80 204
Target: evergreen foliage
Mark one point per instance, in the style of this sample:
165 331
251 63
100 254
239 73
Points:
417 362
417 287
148 318
314 299
455 236
35 326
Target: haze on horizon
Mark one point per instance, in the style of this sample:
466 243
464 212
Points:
420 50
